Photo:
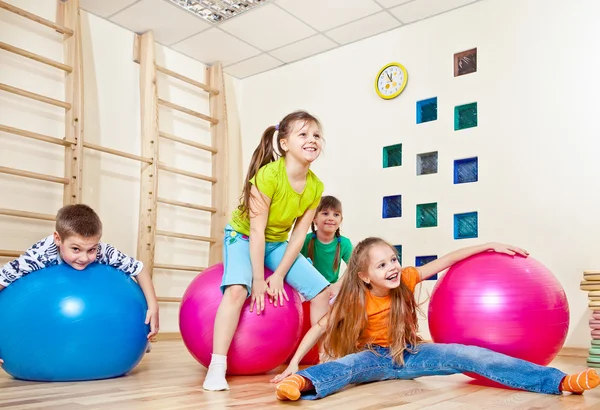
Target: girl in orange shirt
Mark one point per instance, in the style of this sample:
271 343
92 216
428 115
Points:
372 332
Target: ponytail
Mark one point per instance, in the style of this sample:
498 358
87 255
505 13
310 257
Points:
311 243
336 261
263 154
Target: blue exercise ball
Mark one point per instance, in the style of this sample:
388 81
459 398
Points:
61 324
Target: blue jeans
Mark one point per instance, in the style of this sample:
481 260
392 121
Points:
431 359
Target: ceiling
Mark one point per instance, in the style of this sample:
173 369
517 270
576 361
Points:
269 35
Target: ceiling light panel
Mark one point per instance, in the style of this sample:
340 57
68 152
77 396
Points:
218 11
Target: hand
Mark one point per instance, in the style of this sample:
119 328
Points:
508 249
1 362
152 319
276 290
259 287
291 369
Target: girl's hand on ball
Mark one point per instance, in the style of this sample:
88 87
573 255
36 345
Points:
291 369
508 249
259 287
276 290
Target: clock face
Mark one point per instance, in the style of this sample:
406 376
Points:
391 81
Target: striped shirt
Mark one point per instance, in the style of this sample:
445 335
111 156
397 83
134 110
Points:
45 253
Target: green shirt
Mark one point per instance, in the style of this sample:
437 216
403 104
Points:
324 255
286 204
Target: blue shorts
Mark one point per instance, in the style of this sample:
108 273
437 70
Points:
302 275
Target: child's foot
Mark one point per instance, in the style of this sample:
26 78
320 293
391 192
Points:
215 377
579 382
291 386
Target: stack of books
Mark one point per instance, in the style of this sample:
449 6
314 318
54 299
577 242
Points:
591 285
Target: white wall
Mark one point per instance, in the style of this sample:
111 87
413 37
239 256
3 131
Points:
111 119
536 89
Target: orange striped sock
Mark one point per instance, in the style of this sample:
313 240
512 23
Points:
291 386
577 383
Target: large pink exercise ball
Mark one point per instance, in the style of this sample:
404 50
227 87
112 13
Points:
261 342
510 304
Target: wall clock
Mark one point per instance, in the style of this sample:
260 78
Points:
391 81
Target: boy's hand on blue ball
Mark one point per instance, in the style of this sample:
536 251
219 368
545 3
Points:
152 319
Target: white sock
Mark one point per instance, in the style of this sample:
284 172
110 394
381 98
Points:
215 377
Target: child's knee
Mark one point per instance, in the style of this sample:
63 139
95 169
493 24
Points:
235 295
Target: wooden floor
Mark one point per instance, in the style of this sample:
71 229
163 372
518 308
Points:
169 378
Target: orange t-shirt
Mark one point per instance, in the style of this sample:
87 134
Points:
378 309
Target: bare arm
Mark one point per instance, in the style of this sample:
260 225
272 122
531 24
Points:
259 214
276 291
145 281
296 242
308 341
450 259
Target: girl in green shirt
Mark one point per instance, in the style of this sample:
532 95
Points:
325 246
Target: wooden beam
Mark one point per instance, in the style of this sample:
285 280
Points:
187 142
136 48
117 152
186 236
36 18
188 80
186 205
149 172
168 299
179 267
35 57
34 96
74 95
33 175
187 111
35 136
186 173
10 254
219 136
26 214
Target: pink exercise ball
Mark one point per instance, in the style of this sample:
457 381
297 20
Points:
510 304
261 342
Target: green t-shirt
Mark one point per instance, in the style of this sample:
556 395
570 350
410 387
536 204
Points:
324 255
286 204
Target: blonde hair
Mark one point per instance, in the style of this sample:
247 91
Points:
266 153
348 317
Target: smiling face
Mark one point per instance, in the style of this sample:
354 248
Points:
77 251
383 270
328 220
304 141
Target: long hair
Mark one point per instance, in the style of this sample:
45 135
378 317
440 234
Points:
327 203
348 317
265 152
